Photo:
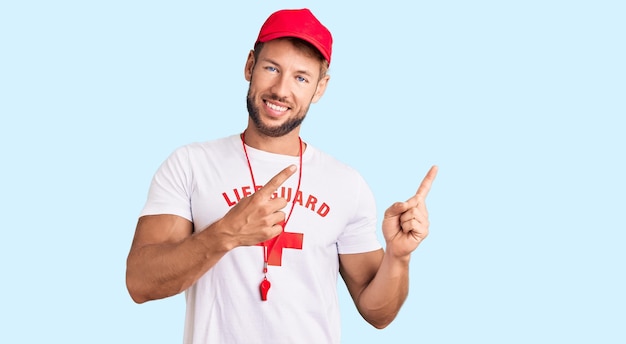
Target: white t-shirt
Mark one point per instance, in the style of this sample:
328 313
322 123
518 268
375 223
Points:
335 212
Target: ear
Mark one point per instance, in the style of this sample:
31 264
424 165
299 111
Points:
249 66
321 88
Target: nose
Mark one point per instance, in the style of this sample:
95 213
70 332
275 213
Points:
280 87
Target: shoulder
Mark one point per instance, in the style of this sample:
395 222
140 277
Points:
224 144
330 163
335 173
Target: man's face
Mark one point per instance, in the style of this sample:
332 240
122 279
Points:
284 82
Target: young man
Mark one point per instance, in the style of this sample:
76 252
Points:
255 227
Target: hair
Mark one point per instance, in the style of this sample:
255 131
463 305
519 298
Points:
302 45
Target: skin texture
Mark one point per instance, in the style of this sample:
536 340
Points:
167 257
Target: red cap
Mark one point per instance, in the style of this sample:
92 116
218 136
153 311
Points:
300 24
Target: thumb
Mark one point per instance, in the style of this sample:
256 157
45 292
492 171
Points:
396 209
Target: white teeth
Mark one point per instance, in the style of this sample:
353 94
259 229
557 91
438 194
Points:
276 107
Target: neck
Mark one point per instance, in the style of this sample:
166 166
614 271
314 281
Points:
286 145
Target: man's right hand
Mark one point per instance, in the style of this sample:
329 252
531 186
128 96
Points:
166 257
256 218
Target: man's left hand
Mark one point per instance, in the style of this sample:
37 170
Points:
405 224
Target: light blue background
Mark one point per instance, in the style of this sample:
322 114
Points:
520 103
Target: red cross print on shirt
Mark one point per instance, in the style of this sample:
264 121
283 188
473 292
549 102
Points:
276 244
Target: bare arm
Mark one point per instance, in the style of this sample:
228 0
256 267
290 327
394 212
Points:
377 285
166 257
379 281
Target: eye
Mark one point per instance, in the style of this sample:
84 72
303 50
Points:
271 69
301 79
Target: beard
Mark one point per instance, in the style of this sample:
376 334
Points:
273 131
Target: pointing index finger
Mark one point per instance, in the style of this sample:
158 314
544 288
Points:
427 182
276 181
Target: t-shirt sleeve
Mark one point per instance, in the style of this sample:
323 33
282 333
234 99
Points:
360 233
171 187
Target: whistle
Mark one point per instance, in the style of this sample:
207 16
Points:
264 287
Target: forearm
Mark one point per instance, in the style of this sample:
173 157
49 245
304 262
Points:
166 258
156 271
381 300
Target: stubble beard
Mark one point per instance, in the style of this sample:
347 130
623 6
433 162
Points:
272 131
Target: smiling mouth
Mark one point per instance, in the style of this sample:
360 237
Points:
276 107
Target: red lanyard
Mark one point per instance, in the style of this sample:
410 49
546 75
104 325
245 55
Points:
265 284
